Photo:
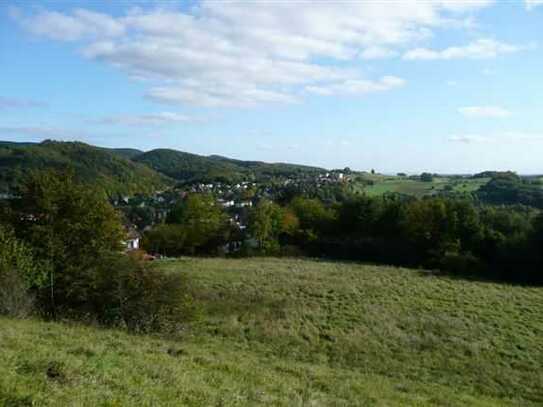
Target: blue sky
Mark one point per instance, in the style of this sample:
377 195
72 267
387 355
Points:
445 86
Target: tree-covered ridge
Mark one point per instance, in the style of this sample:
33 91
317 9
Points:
192 167
106 169
510 189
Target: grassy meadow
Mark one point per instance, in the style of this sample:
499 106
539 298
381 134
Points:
404 185
289 332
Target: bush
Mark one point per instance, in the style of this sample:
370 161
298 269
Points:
18 273
128 292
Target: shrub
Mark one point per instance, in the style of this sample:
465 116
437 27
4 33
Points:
68 225
130 293
18 273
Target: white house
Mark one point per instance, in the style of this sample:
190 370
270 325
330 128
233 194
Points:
132 240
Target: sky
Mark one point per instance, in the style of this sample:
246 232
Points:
399 86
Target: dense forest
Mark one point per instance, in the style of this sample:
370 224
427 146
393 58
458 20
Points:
123 171
188 167
452 235
106 169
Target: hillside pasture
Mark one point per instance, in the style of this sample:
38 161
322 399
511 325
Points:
408 186
289 332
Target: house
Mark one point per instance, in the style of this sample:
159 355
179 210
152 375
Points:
244 204
132 240
227 204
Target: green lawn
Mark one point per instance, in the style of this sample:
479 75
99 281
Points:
287 332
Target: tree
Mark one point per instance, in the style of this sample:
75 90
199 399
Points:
167 239
315 219
430 226
69 225
426 177
203 221
266 222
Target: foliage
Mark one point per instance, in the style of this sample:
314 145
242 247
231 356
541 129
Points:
76 233
19 273
271 224
123 291
166 239
453 235
112 172
426 177
188 167
510 189
314 217
198 226
68 225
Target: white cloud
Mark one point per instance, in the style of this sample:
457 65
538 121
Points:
152 119
82 23
495 112
240 53
531 4
479 49
357 87
377 53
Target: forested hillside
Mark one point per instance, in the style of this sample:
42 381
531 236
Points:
127 170
106 169
192 167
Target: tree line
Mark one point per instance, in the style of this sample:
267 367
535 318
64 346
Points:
450 234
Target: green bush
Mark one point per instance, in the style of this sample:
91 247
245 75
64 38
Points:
18 274
128 292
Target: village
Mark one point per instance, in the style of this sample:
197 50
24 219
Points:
142 212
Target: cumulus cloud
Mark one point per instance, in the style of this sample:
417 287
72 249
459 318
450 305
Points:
240 53
494 112
82 23
480 49
18 103
152 119
377 53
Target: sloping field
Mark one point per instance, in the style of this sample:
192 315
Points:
289 332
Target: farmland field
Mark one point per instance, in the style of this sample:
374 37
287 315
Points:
289 332
404 185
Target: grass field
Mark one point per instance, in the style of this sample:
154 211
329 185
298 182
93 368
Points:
286 332
403 185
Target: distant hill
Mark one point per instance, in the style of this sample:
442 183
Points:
192 167
128 153
108 169
496 174
128 170
269 169
186 166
